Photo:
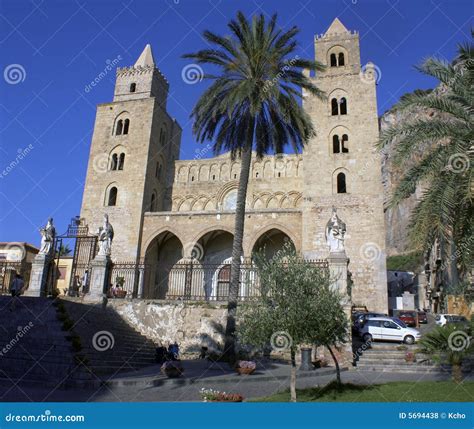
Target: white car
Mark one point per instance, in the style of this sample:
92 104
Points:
442 319
389 329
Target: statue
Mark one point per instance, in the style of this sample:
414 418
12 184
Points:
106 235
335 232
48 234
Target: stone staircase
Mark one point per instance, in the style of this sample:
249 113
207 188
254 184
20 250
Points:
34 350
390 357
109 345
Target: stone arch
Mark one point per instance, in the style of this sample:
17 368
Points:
122 116
257 170
267 232
108 189
235 171
183 173
186 204
225 171
199 203
268 169
214 174
163 250
338 140
273 202
204 173
334 53
210 205
224 191
338 102
193 175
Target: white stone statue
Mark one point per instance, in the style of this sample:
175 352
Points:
335 232
106 235
48 234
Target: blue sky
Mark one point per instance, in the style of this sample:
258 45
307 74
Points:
61 46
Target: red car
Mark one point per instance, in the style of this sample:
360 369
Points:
409 317
422 317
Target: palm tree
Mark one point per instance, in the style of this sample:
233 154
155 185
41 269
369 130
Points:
437 148
64 250
252 104
448 344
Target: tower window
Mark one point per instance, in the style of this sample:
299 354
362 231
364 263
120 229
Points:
334 107
345 141
341 61
133 87
112 200
114 162
343 106
333 60
341 183
213 177
192 178
153 202
121 161
119 129
126 125
335 144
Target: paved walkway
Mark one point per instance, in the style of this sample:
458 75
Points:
150 386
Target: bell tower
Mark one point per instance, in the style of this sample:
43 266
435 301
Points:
134 145
342 167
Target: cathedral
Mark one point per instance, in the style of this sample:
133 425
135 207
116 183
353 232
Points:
165 210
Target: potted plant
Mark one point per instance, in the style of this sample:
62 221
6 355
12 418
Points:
210 395
172 369
245 367
410 357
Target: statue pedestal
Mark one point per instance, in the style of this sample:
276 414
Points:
99 277
39 275
338 262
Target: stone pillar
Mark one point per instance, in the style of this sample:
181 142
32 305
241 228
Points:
338 269
39 275
99 278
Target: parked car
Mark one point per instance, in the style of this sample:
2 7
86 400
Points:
453 319
409 317
361 318
389 329
422 317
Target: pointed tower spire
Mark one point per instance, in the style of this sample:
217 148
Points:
337 27
146 58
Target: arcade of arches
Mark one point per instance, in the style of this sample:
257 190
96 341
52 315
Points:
201 269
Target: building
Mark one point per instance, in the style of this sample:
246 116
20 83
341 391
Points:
15 258
164 209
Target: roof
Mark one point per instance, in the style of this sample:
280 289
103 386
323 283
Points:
337 27
146 58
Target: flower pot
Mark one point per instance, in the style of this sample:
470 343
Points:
245 371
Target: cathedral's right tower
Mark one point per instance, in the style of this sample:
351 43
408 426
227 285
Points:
342 168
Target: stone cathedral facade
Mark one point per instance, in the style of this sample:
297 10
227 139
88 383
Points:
164 209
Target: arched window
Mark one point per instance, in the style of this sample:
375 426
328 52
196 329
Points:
126 125
114 163
119 129
334 107
152 202
343 106
112 200
133 87
121 161
345 144
341 61
333 60
335 144
341 183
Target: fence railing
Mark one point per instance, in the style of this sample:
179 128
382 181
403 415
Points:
186 280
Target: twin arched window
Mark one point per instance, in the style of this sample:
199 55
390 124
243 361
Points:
117 161
122 127
338 107
340 144
112 199
337 59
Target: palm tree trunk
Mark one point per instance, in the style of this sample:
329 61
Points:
456 372
293 375
338 370
246 158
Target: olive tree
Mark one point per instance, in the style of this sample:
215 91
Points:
297 306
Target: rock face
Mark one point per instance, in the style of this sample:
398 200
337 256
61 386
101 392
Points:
397 219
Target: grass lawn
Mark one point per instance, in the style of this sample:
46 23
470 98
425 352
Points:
406 391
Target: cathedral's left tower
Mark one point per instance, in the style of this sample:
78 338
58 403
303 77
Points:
131 160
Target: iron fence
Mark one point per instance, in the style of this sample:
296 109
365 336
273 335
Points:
188 280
